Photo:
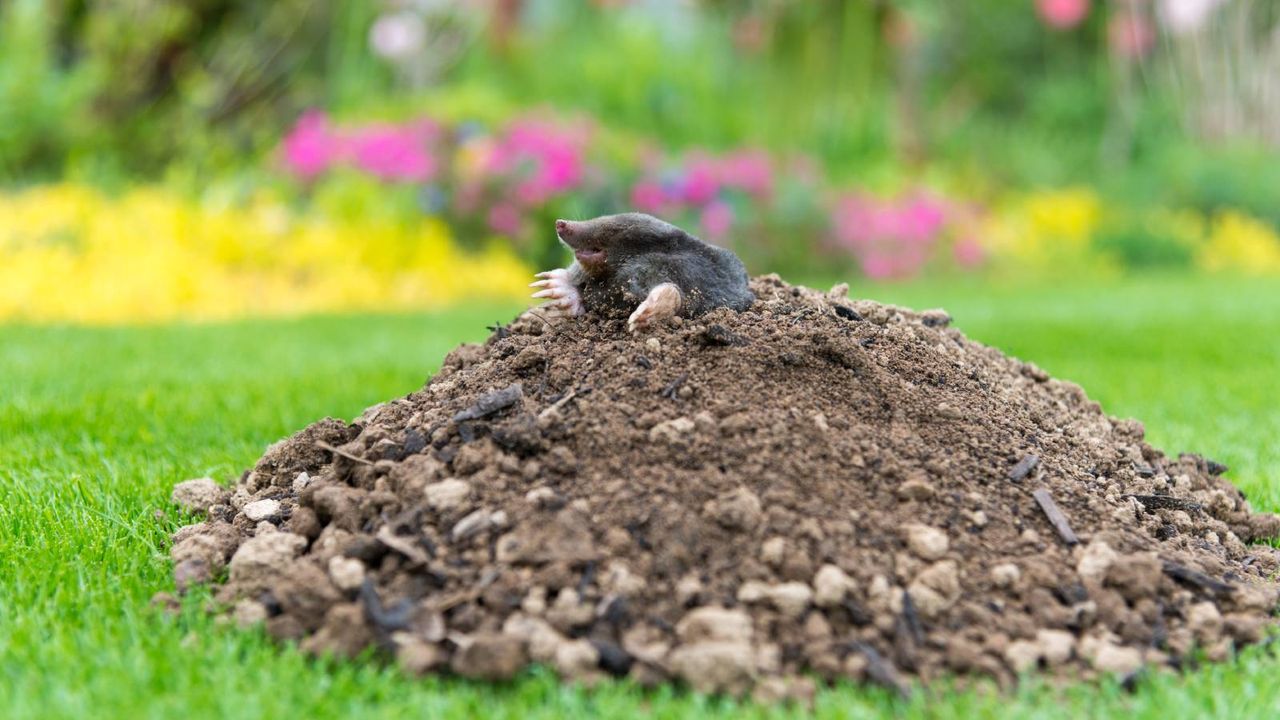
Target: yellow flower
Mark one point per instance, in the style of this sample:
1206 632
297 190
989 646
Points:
68 253
1240 243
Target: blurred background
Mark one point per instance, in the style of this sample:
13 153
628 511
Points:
165 159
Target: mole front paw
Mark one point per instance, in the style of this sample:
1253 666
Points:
663 302
560 291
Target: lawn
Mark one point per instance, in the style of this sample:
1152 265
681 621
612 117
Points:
97 424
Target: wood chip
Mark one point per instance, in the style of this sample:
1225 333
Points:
1166 502
1195 578
1056 518
342 453
1024 467
491 403
403 545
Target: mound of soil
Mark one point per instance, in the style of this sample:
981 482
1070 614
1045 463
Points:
813 487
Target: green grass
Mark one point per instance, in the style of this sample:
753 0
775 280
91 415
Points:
96 424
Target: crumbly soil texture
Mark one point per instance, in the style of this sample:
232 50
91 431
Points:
814 489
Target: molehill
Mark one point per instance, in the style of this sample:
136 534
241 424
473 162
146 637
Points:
816 487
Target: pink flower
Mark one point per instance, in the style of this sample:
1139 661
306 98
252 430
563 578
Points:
648 196
968 253
312 146
749 171
394 153
700 184
1130 35
716 221
1062 14
505 218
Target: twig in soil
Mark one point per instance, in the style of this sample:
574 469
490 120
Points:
1056 518
343 453
491 403
881 671
564 400
911 618
1195 578
1024 467
669 392
396 618
402 545
1166 502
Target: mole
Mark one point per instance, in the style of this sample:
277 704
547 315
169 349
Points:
644 267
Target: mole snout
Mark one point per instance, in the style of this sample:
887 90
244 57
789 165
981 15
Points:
642 266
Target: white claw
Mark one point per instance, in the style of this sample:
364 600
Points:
556 285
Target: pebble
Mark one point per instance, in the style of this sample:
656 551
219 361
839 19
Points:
346 573
928 543
1095 560
830 586
715 666
672 431
447 495
262 555
772 551
1005 575
490 656
738 509
577 659
262 510
714 623
197 495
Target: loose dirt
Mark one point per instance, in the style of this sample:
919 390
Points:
816 487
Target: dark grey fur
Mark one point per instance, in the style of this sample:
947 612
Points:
642 252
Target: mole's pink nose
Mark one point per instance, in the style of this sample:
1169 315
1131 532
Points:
562 228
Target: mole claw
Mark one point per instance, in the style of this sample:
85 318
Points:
545 293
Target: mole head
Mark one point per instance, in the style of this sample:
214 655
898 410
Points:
600 244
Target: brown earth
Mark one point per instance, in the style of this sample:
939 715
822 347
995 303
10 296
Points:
815 487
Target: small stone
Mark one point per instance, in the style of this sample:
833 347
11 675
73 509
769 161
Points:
714 623
928 543
249 613
773 551
262 556
1136 575
1095 561
346 573
262 510
447 495
653 345
791 599
577 659
1111 658
419 658
471 525
490 656
936 588
736 510
1022 655
672 431
753 591
915 489
1005 575
198 495
1055 646
1205 622
830 586
539 637
688 588
715 666
301 482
